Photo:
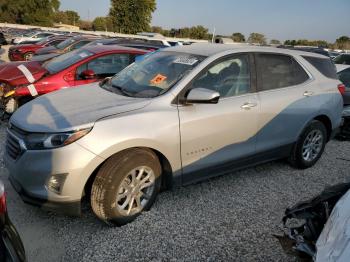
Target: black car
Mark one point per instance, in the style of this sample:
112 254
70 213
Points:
11 246
2 39
343 59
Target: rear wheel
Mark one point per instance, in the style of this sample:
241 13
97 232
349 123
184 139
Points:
310 146
126 185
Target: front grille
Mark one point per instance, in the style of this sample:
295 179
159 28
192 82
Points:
15 137
13 148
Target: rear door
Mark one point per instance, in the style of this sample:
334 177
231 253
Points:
286 93
214 135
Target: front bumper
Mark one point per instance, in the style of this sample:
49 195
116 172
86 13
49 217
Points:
30 172
68 208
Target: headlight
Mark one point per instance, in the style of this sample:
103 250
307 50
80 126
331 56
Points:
48 141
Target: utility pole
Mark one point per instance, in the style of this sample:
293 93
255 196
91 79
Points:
212 39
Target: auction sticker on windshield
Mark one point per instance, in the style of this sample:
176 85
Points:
186 60
158 79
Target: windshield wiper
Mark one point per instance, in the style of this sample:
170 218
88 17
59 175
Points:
122 91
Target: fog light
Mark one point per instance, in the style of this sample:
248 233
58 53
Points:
56 182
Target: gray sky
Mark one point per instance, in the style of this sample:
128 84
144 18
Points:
280 19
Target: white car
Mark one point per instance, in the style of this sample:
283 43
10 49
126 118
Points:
34 36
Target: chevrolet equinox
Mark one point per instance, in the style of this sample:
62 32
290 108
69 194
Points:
172 118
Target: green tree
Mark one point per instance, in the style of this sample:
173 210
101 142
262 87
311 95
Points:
238 37
199 32
73 17
342 42
132 16
102 24
256 38
275 42
33 12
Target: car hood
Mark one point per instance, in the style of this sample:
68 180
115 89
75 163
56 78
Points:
25 46
47 50
10 73
72 109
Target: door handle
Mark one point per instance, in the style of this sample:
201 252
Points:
248 106
308 93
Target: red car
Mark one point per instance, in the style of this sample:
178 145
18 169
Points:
26 51
22 82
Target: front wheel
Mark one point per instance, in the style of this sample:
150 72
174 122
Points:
126 185
310 146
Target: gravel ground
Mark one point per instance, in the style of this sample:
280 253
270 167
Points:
230 218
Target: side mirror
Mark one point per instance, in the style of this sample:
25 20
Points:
88 74
202 96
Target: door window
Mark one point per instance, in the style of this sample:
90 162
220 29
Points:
229 77
278 71
105 66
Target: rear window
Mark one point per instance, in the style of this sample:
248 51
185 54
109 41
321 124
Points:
324 65
277 71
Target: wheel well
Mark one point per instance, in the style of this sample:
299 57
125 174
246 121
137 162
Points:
164 162
328 124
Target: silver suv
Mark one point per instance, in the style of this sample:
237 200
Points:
174 117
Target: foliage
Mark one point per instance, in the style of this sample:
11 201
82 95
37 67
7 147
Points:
195 32
67 17
238 37
343 43
305 42
32 12
102 24
257 38
86 25
275 42
132 16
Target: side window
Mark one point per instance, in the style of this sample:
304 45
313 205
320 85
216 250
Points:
324 65
344 76
278 71
229 77
105 66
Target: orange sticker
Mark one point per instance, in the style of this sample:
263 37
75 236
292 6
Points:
158 79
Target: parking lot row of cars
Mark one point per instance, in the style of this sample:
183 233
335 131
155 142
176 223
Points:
218 108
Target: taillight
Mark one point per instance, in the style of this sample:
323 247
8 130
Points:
3 204
341 89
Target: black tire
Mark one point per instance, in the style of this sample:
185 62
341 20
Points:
296 158
28 56
111 175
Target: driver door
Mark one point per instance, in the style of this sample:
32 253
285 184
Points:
214 136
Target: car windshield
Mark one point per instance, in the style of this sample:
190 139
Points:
153 75
30 34
64 61
65 43
42 42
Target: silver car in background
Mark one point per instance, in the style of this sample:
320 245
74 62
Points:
177 116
